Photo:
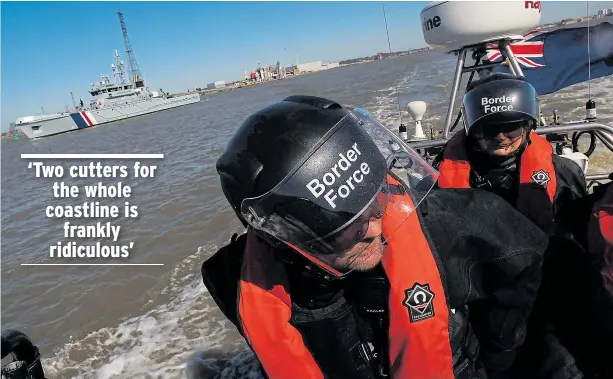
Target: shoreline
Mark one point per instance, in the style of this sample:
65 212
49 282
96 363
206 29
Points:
562 24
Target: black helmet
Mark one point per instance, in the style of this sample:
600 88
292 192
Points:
306 170
497 102
270 143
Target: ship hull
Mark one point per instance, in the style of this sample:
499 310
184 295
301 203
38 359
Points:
82 120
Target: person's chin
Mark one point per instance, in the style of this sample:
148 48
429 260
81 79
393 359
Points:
369 259
503 151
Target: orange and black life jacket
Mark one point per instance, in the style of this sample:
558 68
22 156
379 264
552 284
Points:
419 342
537 176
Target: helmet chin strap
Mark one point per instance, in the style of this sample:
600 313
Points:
310 268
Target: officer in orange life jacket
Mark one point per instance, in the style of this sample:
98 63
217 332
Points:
347 270
501 153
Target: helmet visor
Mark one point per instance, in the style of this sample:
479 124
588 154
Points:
510 130
332 203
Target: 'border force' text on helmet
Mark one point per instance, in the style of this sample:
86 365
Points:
498 100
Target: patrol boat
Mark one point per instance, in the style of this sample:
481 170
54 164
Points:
497 26
111 101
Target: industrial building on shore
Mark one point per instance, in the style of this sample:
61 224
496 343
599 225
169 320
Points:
604 13
216 85
316 66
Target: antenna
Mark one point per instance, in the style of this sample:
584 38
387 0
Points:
590 105
118 69
389 45
135 74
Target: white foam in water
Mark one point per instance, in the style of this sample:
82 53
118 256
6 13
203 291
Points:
417 83
432 83
188 337
185 337
571 103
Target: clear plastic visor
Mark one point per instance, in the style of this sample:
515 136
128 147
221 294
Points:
344 201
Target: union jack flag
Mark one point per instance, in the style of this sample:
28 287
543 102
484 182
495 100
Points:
523 50
556 59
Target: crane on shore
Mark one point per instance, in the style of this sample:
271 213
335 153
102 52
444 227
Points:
135 75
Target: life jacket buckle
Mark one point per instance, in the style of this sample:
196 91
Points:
367 351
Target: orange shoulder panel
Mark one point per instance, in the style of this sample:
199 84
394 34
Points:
454 171
264 308
419 316
537 165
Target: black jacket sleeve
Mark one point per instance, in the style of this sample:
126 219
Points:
492 256
544 354
572 275
571 182
221 273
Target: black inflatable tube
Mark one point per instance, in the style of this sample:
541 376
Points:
16 343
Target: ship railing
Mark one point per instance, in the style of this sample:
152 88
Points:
604 133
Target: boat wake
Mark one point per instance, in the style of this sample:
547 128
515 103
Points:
184 337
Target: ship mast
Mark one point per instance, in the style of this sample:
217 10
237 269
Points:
137 78
118 70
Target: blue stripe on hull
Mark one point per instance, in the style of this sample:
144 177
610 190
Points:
78 120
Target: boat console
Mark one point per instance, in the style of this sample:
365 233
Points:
475 27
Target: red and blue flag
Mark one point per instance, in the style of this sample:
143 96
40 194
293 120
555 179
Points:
552 60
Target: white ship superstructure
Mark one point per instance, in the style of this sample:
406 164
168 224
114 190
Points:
111 101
